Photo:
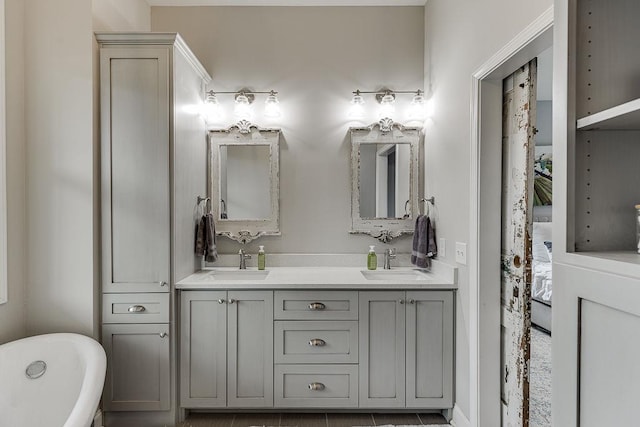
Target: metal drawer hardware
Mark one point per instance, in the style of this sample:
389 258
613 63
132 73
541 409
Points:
316 342
317 306
316 386
163 283
231 300
412 301
221 301
136 309
401 301
163 334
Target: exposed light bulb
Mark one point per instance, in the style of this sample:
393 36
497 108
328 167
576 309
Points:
417 110
356 110
212 110
271 105
242 108
387 105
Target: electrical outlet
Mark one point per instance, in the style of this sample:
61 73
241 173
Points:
461 253
442 247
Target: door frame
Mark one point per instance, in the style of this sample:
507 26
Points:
485 226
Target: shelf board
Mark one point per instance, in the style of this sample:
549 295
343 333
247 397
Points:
621 117
624 263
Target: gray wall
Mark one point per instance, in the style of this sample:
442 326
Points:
461 36
315 57
13 316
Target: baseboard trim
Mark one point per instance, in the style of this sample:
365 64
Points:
459 419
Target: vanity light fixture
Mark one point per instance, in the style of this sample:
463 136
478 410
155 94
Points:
212 109
214 112
271 105
387 100
357 106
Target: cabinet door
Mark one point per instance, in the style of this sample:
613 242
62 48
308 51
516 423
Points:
137 367
429 349
382 347
203 349
250 349
135 169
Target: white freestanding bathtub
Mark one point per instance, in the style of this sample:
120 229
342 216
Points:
52 380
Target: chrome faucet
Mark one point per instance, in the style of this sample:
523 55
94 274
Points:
243 259
389 254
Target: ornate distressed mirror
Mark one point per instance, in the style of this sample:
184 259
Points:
244 181
385 179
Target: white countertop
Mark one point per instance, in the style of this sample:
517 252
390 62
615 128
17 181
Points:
442 277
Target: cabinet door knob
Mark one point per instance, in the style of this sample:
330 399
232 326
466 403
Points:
316 386
317 306
412 301
401 301
221 301
163 334
163 283
231 300
136 309
317 342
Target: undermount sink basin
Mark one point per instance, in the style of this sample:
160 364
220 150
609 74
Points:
239 275
401 275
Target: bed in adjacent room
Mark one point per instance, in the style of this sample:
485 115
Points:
541 275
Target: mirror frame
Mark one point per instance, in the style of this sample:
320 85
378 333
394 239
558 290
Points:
386 131
245 133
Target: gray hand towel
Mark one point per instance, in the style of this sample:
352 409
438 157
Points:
211 251
200 237
432 248
420 243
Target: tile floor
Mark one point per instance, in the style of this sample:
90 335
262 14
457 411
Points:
308 420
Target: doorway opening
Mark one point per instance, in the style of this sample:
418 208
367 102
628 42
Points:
485 232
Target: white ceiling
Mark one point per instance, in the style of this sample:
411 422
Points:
286 2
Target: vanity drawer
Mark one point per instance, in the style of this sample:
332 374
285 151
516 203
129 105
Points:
316 342
135 308
316 386
316 305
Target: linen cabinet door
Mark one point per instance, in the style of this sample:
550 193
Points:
137 367
382 347
250 349
429 357
135 169
203 349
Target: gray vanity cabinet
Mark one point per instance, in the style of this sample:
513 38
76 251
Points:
406 349
138 374
226 349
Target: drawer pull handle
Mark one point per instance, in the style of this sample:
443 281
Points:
412 301
163 334
221 301
231 301
317 306
401 301
137 309
316 386
163 283
316 342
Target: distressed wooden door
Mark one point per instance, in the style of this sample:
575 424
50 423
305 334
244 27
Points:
518 122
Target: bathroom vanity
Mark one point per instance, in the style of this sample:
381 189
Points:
317 338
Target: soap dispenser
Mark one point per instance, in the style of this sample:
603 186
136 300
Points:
372 258
261 258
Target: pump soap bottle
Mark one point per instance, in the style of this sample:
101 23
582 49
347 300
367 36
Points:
372 258
261 258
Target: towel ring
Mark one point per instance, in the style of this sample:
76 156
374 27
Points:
427 201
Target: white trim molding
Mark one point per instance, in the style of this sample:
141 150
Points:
154 3
484 239
3 165
459 419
